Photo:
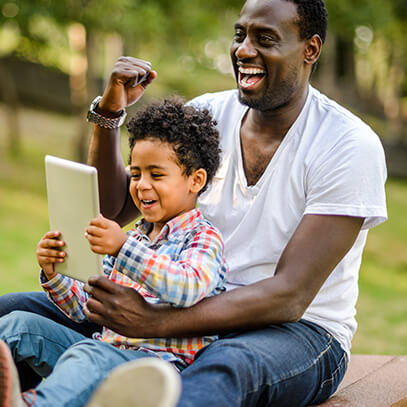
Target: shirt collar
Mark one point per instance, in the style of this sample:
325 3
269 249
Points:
173 226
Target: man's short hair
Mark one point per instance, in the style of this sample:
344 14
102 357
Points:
313 18
190 131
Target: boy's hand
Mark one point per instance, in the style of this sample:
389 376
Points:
105 236
130 77
49 252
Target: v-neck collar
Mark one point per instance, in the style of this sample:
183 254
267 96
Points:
253 189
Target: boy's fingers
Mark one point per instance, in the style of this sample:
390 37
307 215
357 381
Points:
97 249
50 259
99 222
92 239
46 243
50 253
52 234
95 231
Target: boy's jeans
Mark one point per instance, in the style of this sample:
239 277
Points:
78 364
291 365
38 303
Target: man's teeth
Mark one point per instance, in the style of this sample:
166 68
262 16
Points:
251 71
243 81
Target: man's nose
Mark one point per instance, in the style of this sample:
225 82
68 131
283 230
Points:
246 49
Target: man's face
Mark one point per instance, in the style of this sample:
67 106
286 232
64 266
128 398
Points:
268 55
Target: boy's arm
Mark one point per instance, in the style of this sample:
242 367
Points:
65 292
125 87
317 246
195 274
69 294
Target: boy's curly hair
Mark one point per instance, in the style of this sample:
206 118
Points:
191 132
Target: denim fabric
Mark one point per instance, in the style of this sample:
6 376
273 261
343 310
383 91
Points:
37 302
78 364
293 364
287 365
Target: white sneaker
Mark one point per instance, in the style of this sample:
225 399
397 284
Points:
10 392
147 382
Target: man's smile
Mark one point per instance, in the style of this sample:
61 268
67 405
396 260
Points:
250 77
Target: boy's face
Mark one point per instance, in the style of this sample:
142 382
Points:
158 186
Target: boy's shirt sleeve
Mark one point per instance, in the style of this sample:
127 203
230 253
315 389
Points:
68 294
196 273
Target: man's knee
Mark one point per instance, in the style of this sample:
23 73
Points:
9 302
24 301
232 357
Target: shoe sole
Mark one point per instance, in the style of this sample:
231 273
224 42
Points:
5 376
147 382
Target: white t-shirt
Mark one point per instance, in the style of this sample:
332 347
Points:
330 162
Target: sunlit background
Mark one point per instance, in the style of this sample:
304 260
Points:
55 57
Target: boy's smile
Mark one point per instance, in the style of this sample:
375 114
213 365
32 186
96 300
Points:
159 187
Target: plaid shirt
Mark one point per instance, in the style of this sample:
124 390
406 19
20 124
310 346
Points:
183 265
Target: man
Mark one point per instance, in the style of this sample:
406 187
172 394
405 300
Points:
301 182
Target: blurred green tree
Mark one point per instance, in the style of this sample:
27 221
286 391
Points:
362 63
366 56
83 38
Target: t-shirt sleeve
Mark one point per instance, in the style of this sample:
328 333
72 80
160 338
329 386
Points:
348 178
201 102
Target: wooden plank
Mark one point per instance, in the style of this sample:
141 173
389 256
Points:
384 386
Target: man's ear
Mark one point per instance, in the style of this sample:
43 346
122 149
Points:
197 180
313 49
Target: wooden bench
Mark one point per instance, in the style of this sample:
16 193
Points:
372 381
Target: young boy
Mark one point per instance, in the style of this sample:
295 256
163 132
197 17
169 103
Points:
173 256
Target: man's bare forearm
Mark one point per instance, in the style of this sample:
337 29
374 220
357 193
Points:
105 155
244 308
317 246
127 83
126 312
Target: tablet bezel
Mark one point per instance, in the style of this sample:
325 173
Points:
73 201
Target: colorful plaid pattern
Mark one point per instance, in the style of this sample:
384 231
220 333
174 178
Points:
183 265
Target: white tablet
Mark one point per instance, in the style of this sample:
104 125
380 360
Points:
73 201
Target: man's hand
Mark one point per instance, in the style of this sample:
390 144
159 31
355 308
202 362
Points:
105 236
129 78
49 252
121 309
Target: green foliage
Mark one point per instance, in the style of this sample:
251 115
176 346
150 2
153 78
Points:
386 19
345 15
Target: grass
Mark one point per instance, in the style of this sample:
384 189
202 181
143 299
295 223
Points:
382 305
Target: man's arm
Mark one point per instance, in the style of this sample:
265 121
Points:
317 246
127 83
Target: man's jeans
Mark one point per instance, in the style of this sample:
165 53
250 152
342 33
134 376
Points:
286 365
292 364
73 364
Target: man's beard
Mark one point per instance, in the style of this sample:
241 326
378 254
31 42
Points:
271 99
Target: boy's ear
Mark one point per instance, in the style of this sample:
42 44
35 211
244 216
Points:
198 180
